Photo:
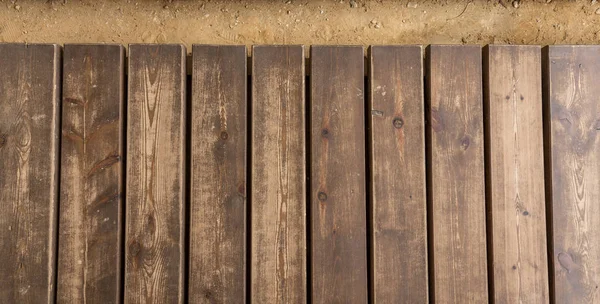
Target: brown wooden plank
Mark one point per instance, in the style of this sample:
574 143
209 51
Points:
155 192
89 248
456 175
338 183
29 138
218 177
397 131
278 176
573 111
515 173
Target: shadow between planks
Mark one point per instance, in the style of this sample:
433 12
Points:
447 174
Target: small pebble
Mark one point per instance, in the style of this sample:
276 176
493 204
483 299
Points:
412 5
18 7
515 4
598 11
353 4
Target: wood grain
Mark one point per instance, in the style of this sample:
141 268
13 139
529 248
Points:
573 111
397 131
278 171
155 192
456 175
338 179
515 173
29 139
218 177
89 248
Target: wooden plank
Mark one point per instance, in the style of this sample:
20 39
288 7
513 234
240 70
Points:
218 177
397 131
89 259
278 176
515 173
29 138
155 192
573 169
456 175
338 179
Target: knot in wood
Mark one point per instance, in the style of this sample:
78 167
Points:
465 142
135 248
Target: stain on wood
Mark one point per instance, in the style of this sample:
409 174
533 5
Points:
456 175
218 175
573 125
29 139
155 192
89 248
278 208
338 179
397 132
515 173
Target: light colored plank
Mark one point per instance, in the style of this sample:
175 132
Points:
155 227
573 139
29 151
456 175
278 215
218 176
516 174
338 177
90 227
397 130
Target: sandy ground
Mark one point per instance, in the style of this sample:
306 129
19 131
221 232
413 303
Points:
305 22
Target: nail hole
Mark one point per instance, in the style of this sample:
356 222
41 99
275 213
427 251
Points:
322 196
398 122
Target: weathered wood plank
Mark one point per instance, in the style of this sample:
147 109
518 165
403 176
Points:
515 173
218 177
278 176
456 175
29 138
573 139
89 248
338 179
155 192
397 132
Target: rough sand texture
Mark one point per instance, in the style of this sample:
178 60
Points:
300 22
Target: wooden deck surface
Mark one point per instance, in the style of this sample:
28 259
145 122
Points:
404 174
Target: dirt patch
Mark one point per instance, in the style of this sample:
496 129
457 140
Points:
301 22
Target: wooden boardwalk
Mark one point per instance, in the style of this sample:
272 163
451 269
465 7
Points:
446 174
